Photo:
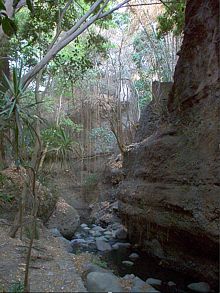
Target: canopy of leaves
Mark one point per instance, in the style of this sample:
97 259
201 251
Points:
172 20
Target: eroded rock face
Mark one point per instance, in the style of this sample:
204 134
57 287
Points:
172 187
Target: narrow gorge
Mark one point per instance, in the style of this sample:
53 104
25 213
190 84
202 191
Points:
109 146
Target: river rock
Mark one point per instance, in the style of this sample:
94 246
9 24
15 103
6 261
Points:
199 287
171 283
65 218
119 245
140 286
78 235
134 256
108 233
95 233
153 282
103 245
128 263
103 282
78 242
83 225
98 228
102 238
121 233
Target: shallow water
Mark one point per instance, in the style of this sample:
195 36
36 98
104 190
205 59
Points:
147 267
144 267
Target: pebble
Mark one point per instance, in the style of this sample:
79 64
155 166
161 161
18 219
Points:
153 282
201 287
108 233
83 225
78 235
128 263
134 256
98 228
170 283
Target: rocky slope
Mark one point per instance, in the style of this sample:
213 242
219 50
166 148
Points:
169 199
52 268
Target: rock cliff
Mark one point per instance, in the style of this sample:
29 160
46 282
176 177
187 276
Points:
169 199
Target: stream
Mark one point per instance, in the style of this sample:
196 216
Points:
115 251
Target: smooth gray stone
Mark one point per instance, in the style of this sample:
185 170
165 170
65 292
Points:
103 245
134 256
153 282
171 283
103 282
119 245
99 229
128 263
201 287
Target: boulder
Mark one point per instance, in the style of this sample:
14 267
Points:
65 218
66 244
90 267
140 286
201 287
103 245
103 282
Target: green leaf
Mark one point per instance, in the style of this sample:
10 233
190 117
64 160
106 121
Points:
8 26
2 6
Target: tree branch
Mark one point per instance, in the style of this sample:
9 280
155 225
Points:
81 25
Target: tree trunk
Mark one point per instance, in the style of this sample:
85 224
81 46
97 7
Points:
4 70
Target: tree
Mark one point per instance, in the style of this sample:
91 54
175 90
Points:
98 10
172 19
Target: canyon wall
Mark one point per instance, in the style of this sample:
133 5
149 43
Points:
169 199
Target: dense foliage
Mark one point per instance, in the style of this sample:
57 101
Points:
172 20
